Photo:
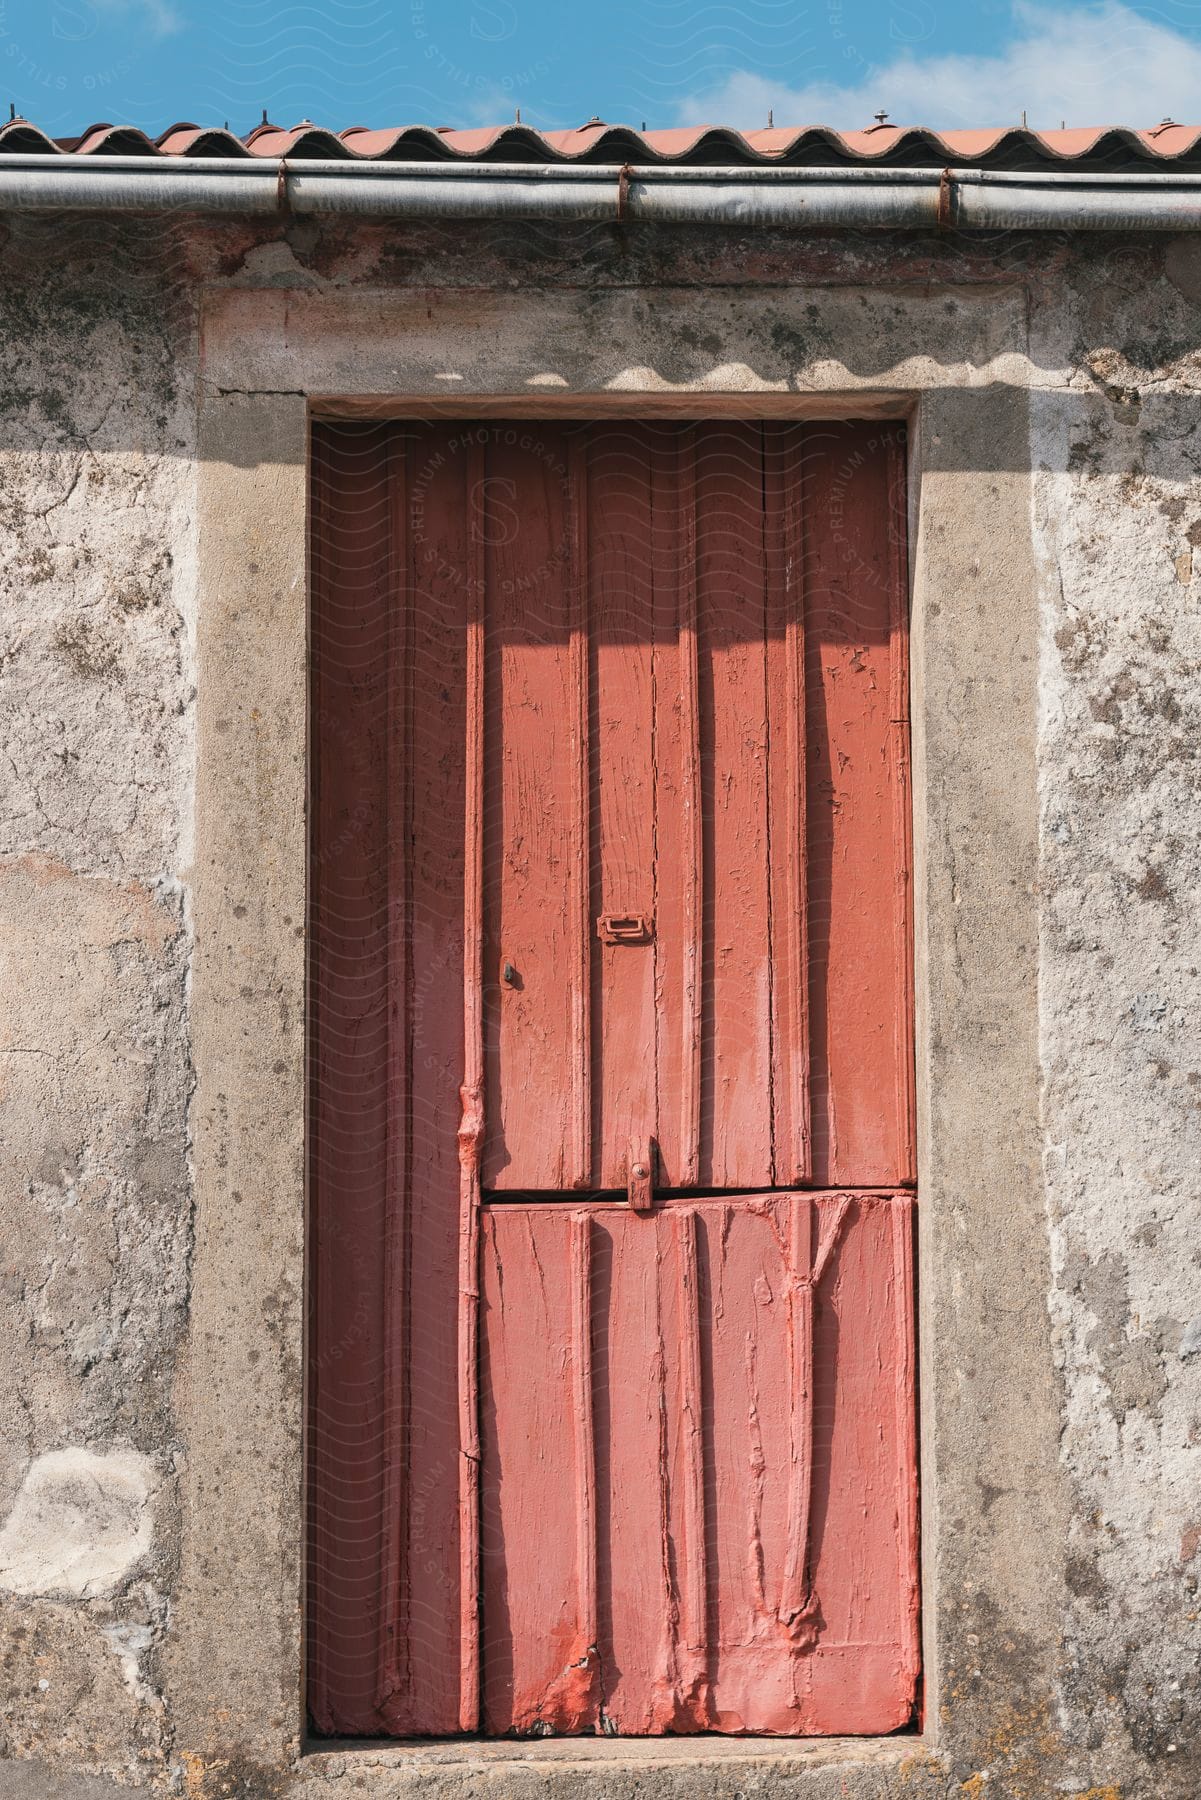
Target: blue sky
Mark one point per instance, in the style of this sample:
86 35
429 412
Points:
69 63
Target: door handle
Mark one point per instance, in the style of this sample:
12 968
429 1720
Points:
624 928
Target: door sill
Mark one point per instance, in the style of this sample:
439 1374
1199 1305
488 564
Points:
336 1759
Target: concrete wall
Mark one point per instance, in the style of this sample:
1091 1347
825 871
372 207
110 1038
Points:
154 391
97 568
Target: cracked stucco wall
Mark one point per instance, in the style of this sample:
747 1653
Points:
96 576
98 374
1118 526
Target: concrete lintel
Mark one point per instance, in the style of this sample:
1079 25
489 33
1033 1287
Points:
675 343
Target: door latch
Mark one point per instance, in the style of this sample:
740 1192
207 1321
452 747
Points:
640 1179
623 928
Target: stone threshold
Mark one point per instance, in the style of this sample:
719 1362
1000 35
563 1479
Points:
336 1759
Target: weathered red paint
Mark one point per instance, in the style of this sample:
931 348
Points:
610 873
724 1541
673 765
386 930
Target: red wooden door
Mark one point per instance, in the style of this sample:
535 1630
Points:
610 874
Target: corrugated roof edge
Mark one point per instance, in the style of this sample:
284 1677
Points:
1109 148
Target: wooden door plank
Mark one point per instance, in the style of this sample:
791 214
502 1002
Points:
470 1133
794 1611
535 716
788 896
579 871
686 1463
736 1146
639 1620
679 821
348 1123
862 1548
746 1256
902 806
387 1049
585 1437
541 1670
395 1671
859 950
655 1645
623 850
904 1295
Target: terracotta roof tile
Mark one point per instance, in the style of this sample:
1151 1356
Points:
1012 147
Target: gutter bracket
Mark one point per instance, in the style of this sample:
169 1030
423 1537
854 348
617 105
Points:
945 200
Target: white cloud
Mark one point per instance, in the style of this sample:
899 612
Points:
1088 65
159 15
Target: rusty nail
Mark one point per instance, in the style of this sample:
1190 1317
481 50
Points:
639 1171
509 973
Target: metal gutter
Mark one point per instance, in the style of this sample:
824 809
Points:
856 196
